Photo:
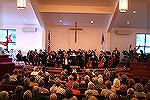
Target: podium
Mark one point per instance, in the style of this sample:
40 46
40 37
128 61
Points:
5 58
6 65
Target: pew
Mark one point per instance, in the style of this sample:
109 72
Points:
140 69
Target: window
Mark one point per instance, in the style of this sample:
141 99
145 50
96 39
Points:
143 40
8 39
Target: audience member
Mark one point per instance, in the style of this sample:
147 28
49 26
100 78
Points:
27 95
4 95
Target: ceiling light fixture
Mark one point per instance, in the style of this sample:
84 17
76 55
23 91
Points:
21 4
123 5
60 21
134 12
92 22
128 22
25 19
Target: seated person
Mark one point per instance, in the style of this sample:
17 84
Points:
6 80
4 95
91 91
13 77
19 56
75 87
18 95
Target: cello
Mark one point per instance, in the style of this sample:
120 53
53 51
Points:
101 62
89 64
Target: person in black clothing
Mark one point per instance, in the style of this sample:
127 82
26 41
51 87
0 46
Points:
116 55
19 56
142 56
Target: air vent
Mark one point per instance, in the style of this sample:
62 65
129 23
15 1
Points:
29 29
123 32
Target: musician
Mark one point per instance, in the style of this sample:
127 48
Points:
94 59
40 57
142 56
19 56
101 60
50 59
116 55
35 57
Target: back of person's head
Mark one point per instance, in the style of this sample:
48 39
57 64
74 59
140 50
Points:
40 73
70 78
138 87
68 93
134 98
43 69
75 85
35 90
92 98
19 90
130 91
57 82
113 96
32 79
19 76
123 88
148 96
53 89
7 76
100 80
107 95
124 79
15 72
53 97
116 83
86 78
36 68
91 85
27 81
95 80
131 83
4 95
41 83
27 95
108 84
73 98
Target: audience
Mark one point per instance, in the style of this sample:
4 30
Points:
38 84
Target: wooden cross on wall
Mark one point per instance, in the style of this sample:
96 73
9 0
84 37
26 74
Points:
76 28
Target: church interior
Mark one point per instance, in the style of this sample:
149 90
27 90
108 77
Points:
74 50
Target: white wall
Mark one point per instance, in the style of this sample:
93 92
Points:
27 40
123 41
88 38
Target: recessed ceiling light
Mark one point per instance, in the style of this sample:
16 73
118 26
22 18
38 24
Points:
92 22
25 19
60 21
128 22
134 11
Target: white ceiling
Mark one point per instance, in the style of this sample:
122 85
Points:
69 19
139 19
12 16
